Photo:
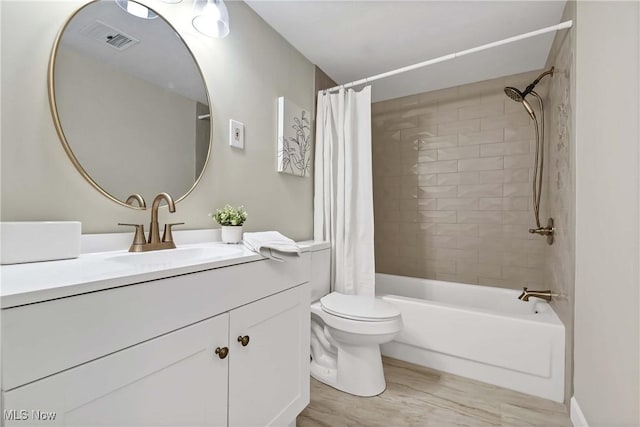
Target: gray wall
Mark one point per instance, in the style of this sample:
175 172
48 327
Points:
112 139
607 325
245 73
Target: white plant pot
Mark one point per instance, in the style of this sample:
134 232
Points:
231 233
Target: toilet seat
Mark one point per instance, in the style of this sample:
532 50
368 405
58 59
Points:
359 307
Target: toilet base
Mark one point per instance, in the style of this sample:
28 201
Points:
359 371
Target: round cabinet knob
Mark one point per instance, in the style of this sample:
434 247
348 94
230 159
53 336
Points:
222 352
244 340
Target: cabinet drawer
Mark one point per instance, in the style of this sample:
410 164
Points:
175 379
45 338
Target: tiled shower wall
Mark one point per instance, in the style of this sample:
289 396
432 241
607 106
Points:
559 186
452 186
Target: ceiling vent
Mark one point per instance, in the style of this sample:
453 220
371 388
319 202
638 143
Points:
113 37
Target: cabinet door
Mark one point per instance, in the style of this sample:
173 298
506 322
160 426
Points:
269 377
175 379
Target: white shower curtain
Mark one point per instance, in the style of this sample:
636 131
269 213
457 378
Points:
343 193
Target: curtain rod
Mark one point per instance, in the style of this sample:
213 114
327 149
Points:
563 25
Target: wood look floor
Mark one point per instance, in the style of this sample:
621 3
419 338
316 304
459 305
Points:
418 396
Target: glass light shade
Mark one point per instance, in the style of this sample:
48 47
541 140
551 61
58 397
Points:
136 9
211 18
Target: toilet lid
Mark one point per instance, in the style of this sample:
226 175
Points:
358 307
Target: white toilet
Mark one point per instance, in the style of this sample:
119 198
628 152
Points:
346 333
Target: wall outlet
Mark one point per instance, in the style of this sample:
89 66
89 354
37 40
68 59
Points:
236 134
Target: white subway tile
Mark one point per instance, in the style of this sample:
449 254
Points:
486 163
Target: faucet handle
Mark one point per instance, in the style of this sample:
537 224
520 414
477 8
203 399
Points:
138 238
167 236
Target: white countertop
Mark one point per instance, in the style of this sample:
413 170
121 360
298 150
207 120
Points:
41 281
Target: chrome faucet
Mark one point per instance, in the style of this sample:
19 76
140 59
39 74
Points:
546 295
154 243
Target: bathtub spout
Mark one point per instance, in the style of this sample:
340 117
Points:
546 295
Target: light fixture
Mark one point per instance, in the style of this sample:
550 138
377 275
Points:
211 18
136 9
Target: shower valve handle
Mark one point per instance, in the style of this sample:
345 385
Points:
543 231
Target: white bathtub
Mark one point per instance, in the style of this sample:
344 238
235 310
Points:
479 332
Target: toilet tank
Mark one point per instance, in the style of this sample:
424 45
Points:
320 273
320 267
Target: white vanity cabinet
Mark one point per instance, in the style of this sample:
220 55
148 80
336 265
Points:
269 377
172 380
158 365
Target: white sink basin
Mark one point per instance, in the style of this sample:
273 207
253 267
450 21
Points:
31 241
177 256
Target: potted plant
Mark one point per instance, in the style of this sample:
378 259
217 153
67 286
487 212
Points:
231 219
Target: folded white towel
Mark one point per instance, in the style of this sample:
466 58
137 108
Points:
270 244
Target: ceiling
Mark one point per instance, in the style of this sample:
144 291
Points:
350 40
159 57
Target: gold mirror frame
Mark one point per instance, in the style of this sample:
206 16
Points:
58 125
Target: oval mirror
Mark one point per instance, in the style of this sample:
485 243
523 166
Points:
129 102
